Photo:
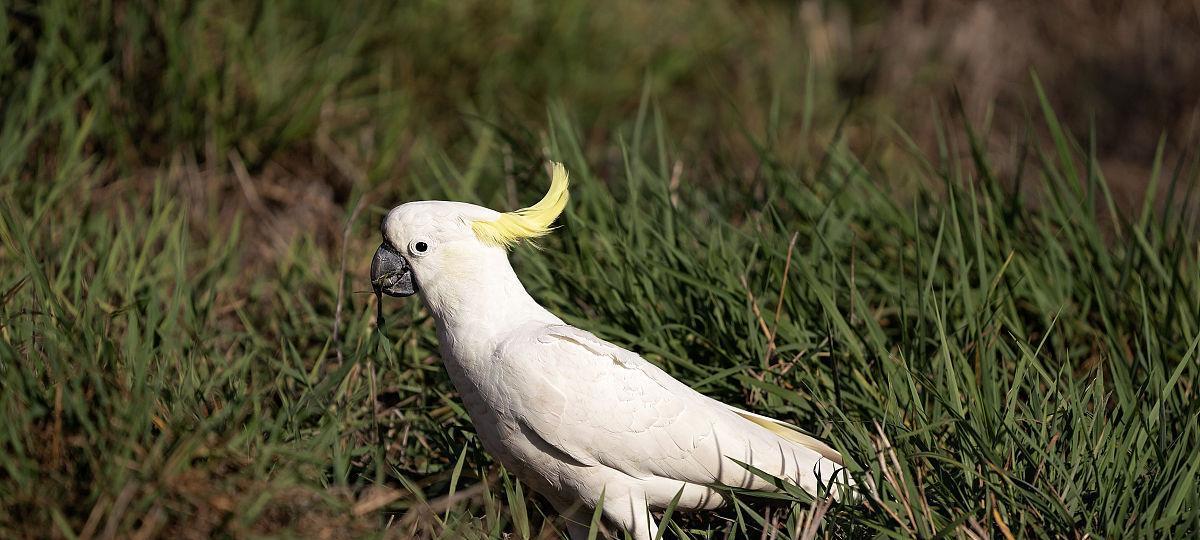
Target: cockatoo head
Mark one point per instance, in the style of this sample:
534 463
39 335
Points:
432 244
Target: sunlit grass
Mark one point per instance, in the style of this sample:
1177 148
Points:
998 364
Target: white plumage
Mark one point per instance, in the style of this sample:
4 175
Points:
571 415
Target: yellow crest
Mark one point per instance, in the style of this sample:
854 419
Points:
526 223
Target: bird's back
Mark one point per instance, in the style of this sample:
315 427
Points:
603 406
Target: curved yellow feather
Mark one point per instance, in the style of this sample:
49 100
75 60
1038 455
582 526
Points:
526 223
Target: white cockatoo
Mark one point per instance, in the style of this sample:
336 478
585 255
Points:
578 419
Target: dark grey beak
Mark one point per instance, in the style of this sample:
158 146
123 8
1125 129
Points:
390 273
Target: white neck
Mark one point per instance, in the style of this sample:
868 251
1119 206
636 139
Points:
476 300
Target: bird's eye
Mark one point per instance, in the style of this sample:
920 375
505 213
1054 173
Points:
420 247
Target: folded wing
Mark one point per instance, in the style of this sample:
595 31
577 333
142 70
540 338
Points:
603 405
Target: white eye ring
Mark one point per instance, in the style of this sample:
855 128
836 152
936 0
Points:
419 248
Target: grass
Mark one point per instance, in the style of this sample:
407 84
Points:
187 345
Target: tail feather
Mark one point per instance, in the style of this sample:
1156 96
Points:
844 490
791 433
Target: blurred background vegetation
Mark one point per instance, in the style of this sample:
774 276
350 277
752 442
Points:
233 158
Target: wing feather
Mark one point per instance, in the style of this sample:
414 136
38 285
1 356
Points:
603 405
